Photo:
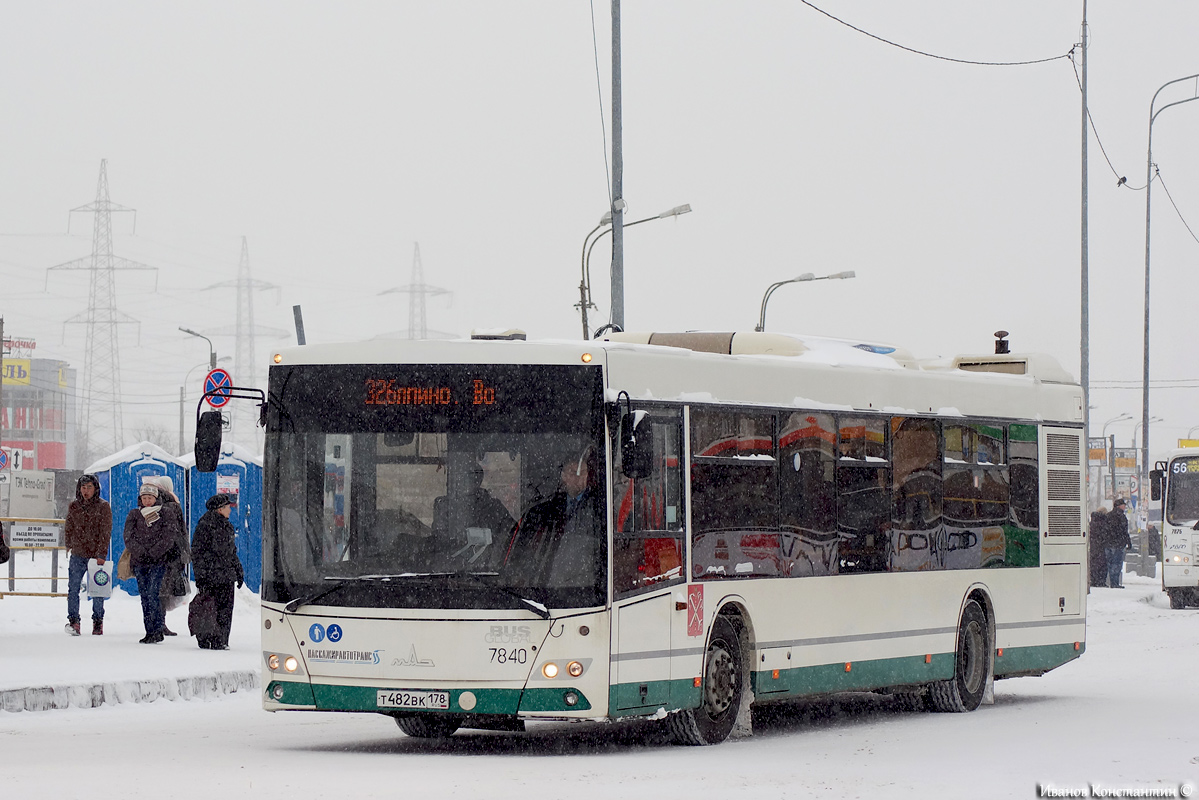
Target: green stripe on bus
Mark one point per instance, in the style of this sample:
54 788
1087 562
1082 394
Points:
854 675
553 700
328 697
1035 659
294 693
626 699
366 698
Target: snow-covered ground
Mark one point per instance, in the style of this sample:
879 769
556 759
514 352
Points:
1124 716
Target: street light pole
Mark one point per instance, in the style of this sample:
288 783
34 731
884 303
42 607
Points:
589 243
805 278
211 349
1148 191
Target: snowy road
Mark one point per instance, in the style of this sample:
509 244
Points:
1123 716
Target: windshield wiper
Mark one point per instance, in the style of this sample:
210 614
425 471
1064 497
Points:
532 605
291 607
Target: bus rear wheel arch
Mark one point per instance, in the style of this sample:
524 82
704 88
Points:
972 664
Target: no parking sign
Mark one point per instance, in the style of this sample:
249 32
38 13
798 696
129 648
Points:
218 381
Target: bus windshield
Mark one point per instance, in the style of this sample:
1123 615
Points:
1182 501
455 486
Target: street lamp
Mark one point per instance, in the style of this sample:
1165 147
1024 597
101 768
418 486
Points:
1148 189
805 278
1137 427
183 395
589 242
211 349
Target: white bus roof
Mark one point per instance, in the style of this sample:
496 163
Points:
771 369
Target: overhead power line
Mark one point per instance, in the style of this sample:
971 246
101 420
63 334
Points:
926 54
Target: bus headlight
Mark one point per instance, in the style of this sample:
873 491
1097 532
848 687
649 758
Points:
272 661
574 669
290 664
549 669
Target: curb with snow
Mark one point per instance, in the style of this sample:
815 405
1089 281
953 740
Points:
94 695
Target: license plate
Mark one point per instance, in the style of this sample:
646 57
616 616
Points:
413 700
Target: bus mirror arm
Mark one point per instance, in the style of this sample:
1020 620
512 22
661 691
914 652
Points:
1155 484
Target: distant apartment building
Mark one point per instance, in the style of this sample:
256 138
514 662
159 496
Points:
38 413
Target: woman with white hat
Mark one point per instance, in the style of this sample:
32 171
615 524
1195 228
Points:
151 541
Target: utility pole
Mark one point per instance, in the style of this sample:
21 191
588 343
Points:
618 204
1085 316
102 422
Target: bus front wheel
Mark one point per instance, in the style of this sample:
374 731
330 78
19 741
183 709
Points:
721 690
429 726
964 692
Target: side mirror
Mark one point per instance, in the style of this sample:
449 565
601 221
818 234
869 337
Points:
1155 483
636 447
208 441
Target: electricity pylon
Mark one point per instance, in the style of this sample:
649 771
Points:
102 424
417 291
245 364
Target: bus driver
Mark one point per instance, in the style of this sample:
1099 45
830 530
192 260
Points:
557 542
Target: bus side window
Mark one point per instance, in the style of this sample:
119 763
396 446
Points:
734 495
863 494
648 537
917 493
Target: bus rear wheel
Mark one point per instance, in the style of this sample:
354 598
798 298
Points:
429 726
964 692
722 687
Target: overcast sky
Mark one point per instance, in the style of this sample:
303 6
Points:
334 136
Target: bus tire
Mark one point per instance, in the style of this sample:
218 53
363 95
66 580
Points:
964 692
721 690
429 726
1177 599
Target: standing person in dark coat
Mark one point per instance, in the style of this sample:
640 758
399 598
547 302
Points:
1097 547
175 577
151 540
1118 541
217 568
88 529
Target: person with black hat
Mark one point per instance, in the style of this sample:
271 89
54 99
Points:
88 529
1117 542
217 569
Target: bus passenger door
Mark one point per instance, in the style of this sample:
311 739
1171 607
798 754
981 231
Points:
642 674
647 559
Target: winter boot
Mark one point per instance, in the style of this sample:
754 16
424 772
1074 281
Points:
72 628
97 627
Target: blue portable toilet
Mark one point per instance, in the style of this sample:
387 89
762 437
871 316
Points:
238 473
121 476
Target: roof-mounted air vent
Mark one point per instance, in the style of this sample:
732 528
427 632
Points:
498 334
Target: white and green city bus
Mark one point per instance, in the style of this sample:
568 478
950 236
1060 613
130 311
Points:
477 533
1179 476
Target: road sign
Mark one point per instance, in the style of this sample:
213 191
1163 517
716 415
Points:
217 380
3 459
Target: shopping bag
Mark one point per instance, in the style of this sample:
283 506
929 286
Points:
124 567
99 578
201 615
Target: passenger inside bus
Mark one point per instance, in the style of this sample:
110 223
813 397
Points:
483 519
